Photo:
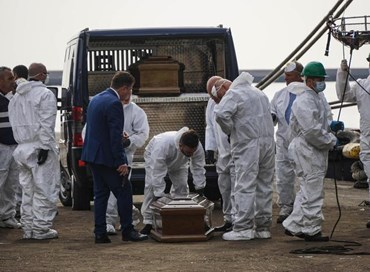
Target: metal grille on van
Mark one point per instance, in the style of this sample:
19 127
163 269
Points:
171 114
202 58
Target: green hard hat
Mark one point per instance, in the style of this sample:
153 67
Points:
368 58
314 69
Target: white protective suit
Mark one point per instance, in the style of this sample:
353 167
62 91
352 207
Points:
217 140
309 149
284 166
163 156
137 127
32 116
244 114
354 93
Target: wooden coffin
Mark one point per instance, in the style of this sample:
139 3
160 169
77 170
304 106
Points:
157 76
182 219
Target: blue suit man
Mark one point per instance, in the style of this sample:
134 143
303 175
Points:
104 152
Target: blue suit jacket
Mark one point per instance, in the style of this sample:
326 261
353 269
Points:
103 140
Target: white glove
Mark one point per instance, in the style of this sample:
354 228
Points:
344 65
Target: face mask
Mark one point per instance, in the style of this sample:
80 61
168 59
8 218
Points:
9 95
320 86
46 81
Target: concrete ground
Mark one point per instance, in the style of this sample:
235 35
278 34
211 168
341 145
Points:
75 249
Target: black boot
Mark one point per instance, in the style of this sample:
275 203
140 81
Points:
300 235
133 236
103 239
227 226
316 238
281 218
146 230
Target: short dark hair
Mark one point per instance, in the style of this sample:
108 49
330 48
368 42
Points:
190 138
20 71
122 78
2 69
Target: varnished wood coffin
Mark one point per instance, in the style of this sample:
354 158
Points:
182 219
157 76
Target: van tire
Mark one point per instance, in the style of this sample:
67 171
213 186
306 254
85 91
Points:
65 194
81 199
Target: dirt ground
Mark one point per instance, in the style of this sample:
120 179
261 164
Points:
75 249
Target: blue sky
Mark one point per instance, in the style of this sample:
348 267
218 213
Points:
265 31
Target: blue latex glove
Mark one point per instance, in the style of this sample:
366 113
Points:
335 126
337 144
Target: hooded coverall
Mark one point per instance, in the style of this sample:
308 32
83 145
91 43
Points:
284 169
244 114
162 155
32 115
217 140
309 149
354 93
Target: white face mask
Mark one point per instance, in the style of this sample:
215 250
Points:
46 81
9 95
320 86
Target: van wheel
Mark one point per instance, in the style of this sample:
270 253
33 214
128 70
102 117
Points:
65 194
81 199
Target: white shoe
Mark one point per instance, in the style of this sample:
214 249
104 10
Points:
238 235
262 234
135 216
111 230
136 222
10 223
50 234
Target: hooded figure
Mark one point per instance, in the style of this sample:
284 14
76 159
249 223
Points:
217 141
244 114
32 116
358 92
312 140
171 153
284 169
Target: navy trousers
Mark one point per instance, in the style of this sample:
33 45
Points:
107 179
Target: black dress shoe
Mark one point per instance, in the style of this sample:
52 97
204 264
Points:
281 218
227 226
134 236
102 239
316 238
146 230
368 224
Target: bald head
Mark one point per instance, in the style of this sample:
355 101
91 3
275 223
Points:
37 72
211 82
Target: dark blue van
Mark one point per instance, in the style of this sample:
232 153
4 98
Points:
91 59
